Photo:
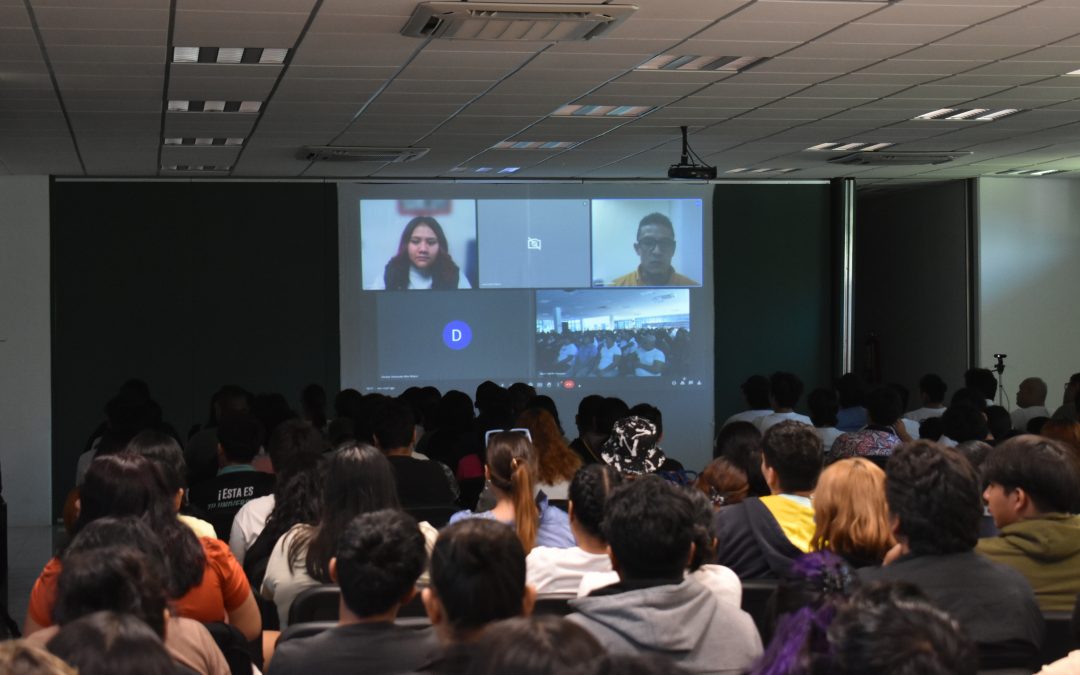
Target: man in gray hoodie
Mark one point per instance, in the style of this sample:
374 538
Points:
649 525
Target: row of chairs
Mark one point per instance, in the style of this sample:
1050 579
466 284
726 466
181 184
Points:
316 609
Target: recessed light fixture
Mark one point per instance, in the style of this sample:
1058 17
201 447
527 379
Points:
215 106
760 171
196 167
1029 172
483 169
965 114
510 169
534 145
602 111
204 141
847 147
230 55
459 169
693 62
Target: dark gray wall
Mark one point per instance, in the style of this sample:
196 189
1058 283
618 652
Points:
773 267
187 286
912 282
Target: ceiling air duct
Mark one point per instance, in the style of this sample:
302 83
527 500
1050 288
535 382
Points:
514 21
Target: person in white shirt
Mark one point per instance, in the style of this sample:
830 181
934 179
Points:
650 360
755 391
824 404
610 353
567 353
932 390
559 571
1030 402
784 392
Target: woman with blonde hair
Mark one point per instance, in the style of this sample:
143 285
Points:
556 462
850 514
512 471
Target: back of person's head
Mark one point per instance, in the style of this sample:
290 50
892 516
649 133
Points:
975 452
756 392
477 576
795 452
240 437
394 425
740 443
883 406
851 517
291 440
982 380
589 410
814 580
651 413
704 536
998 422
545 402
649 526
379 558
589 492
902 392
882 634
116 578
486 392
520 394
347 403
933 388
931 429
359 479
512 469
611 411
538 645
824 405
271 410
935 494
963 422
723 482
1066 431
455 412
969 396
108 643
118 485
851 390
128 532
19 657
162 449
785 389
313 404
1044 469
556 462
229 400
298 495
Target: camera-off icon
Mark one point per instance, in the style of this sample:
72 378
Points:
532 244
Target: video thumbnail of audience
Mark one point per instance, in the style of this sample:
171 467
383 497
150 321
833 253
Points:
413 244
613 333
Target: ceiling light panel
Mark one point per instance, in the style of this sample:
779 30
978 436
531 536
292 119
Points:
694 63
848 147
534 145
965 115
602 110
205 141
215 106
230 55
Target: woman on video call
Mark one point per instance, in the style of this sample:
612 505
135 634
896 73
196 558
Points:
423 260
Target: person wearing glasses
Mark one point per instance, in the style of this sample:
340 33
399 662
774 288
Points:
655 246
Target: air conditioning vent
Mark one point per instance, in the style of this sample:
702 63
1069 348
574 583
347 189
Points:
335 153
512 21
897 158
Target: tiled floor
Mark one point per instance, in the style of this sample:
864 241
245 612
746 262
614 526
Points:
29 548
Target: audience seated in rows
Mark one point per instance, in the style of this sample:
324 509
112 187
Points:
1033 485
1067 411
762 535
649 525
237 482
932 394
633 447
1030 403
755 391
881 434
556 463
935 499
723 483
205 582
982 380
824 406
111 643
852 394
379 558
740 443
785 389
420 482
512 471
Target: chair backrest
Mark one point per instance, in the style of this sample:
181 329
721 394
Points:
558 605
233 647
756 597
1059 636
319 603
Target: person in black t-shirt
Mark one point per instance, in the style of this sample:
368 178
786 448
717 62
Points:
236 482
420 481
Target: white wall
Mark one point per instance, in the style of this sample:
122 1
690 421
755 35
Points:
1029 279
25 345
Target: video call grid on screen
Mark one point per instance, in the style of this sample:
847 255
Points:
547 322
530 243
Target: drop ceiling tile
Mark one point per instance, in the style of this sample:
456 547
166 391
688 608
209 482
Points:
877 33
784 64
114 82
648 78
615 45
119 69
106 54
633 90
940 13
126 38
963 52
660 29
777 31
88 18
839 50
219 88
208 125
738 47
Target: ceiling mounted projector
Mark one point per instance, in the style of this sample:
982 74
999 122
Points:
690 166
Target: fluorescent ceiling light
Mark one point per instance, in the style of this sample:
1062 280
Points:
174 141
998 115
845 147
213 106
273 56
483 169
965 114
575 110
695 63
509 169
935 114
533 145
875 146
249 106
185 55
178 106
230 55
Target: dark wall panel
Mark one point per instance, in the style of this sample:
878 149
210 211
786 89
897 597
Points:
188 286
773 266
912 283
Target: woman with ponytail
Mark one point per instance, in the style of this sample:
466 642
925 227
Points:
511 471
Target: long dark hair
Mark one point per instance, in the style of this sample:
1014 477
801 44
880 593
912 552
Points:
444 271
359 479
126 484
